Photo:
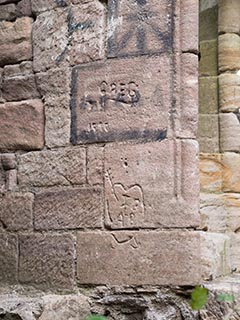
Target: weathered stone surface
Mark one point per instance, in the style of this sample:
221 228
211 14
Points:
11 180
135 176
133 257
234 251
9 260
208 133
95 166
22 125
230 132
208 65
74 307
229 92
19 82
51 168
8 161
75 35
7 1
139 27
228 52
16 210
208 24
47 261
8 12
54 82
24 8
215 255
208 95
15 41
229 16
231 172
211 168
68 209
121 100
44 5
188 113
189 25
57 121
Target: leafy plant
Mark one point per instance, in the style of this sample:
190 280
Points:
225 297
96 317
199 298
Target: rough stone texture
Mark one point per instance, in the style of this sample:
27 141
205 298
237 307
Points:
230 132
234 251
8 12
57 121
15 41
95 158
51 168
228 52
208 95
122 100
229 16
211 168
208 133
189 26
19 82
208 23
11 180
9 258
188 113
208 61
215 255
39 6
139 27
7 1
8 161
24 8
75 35
22 125
132 258
68 209
16 211
231 172
47 261
135 176
229 92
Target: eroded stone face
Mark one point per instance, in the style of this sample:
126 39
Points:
9 258
122 100
134 257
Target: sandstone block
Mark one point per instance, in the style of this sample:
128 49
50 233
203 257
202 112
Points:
189 25
133 258
139 27
8 161
47 261
208 133
121 100
208 25
211 168
208 95
54 82
95 165
68 209
228 52
188 114
39 6
11 180
22 125
24 8
229 16
135 175
9 258
231 172
8 12
208 64
16 210
65 307
235 243
215 255
57 121
51 168
230 132
229 92
19 83
15 41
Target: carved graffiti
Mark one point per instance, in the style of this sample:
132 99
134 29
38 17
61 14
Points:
139 27
126 208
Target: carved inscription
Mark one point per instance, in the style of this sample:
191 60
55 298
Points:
121 100
137 27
